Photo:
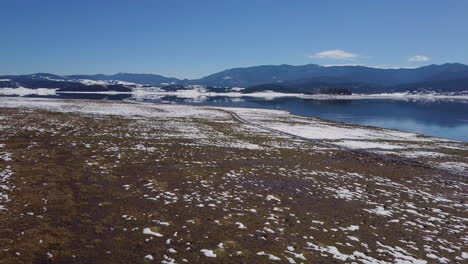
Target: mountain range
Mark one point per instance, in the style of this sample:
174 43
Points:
310 78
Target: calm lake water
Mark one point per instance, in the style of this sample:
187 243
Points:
440 118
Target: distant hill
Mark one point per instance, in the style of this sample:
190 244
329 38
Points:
250 76
458 86
315 86
310 78
61 83
145 79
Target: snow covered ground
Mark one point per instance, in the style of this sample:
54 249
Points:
27 91
110 182
5 177
377 140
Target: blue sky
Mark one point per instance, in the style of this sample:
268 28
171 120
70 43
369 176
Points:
190 39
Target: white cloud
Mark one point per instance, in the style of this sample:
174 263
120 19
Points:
335 54
419 58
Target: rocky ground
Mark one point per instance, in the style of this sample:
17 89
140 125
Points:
116 182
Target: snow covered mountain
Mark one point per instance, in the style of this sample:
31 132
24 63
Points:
64 83
310 78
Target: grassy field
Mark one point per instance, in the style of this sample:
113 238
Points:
104 182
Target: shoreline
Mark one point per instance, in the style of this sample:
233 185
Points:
266 94
285 111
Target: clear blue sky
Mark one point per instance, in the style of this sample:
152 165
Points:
185 38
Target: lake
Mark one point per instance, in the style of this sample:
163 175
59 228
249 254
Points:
446 118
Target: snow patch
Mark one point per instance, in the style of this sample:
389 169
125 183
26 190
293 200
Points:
209 253
148 231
